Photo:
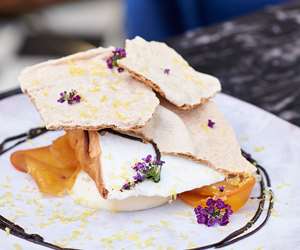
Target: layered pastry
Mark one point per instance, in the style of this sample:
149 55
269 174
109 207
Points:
141 129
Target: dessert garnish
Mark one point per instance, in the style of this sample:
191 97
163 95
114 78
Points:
210 123
71 98
215 212
112 61
167 71
221 188
148 168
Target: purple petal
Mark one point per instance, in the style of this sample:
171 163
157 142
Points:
210 202
220 204
148 158
211 221
167 71
210 123
120 70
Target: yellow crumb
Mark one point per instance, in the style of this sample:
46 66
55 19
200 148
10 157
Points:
76 71
205 128
121 116
259 149
95 88
116 103
133 237
98 71
282 185
17 246
103 98
7 230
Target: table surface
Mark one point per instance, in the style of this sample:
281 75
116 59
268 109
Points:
256 57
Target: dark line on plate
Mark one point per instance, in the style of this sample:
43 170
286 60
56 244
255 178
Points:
235 236
10 93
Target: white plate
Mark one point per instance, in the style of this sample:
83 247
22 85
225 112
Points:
272 141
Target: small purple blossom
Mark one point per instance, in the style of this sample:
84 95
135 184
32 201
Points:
120 70
221 188
210 123
117 54
71 98
138 177
126 186
139 166
215 212
147 159
167 71
148 168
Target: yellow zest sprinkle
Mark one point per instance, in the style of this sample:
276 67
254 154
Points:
275 213
17 246
92 109
7 230
170 248
113 87
126 104
98 71
35 82
191 244
195 80
95 88
133 237
45 93
179 61
121 116
103 99
259 149
116 186
187 213
149 242
136 221
108 156
76 71
83 114
282 185
75 234
116 103
205 128
164 223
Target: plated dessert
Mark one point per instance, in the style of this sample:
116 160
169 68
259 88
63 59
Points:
141 130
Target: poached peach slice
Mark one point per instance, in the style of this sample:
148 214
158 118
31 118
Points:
234 191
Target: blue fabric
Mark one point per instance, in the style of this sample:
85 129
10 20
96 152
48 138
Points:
159 19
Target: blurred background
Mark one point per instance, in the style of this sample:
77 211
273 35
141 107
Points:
251 45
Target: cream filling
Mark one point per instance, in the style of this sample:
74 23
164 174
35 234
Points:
118 156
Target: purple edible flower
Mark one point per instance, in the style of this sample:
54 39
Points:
167 71
138 177
117 54
139 166
148 158
71 98
148 168
221 188
120 70
109 63
126 186
210 123
215 212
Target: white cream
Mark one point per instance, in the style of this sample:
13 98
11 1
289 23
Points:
86 194
118 156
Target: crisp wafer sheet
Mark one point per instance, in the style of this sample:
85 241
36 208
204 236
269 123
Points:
165 71
108 98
